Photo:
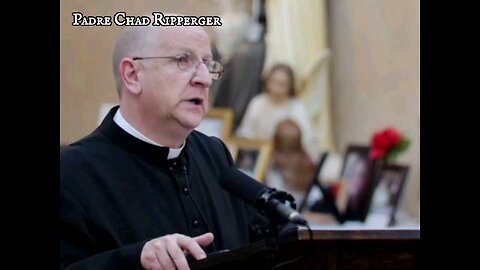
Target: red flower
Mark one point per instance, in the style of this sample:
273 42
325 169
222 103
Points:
393 135
384 141
376 153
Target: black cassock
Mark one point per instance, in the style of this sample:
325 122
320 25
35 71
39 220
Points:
117 192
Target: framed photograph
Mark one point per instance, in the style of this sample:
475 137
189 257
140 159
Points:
386 195
251 156
217 122
318 198
356 181
348 198
355 159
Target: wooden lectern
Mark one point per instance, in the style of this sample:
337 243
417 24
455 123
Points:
328 249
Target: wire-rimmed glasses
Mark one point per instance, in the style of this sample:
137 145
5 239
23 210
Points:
186 62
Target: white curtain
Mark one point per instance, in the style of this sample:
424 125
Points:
297 35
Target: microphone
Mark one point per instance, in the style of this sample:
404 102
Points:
263 198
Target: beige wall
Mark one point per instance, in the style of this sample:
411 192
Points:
86 79
375 67
375 81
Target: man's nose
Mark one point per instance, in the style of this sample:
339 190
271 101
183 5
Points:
202 76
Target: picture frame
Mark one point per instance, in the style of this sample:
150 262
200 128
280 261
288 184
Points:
217 122
356 183
355 157
389 184
317 197
251 156
349 197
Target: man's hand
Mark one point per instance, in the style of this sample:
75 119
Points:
168 252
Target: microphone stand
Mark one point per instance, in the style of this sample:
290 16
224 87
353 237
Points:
267 208
272 233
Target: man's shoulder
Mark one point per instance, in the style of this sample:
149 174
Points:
86 163
84 149
208 146
198 138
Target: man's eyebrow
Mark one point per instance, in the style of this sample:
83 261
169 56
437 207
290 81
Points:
181 50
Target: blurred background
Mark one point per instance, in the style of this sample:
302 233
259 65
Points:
356 66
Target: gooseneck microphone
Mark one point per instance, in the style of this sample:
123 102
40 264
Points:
265 199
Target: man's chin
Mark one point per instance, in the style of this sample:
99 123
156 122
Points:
191 122
188 119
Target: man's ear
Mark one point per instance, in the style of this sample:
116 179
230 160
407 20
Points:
129 73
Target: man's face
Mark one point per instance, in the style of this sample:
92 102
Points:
176 97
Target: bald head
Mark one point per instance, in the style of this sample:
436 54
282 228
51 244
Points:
140 41
131 42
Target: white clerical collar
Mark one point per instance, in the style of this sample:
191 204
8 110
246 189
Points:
121 122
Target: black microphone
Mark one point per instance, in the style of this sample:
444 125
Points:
263 198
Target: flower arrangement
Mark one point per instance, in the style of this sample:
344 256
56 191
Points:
387 144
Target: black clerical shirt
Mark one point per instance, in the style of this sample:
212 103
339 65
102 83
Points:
118 192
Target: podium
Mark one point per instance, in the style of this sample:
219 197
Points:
326 249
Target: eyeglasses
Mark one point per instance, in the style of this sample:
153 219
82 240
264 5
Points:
186 62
